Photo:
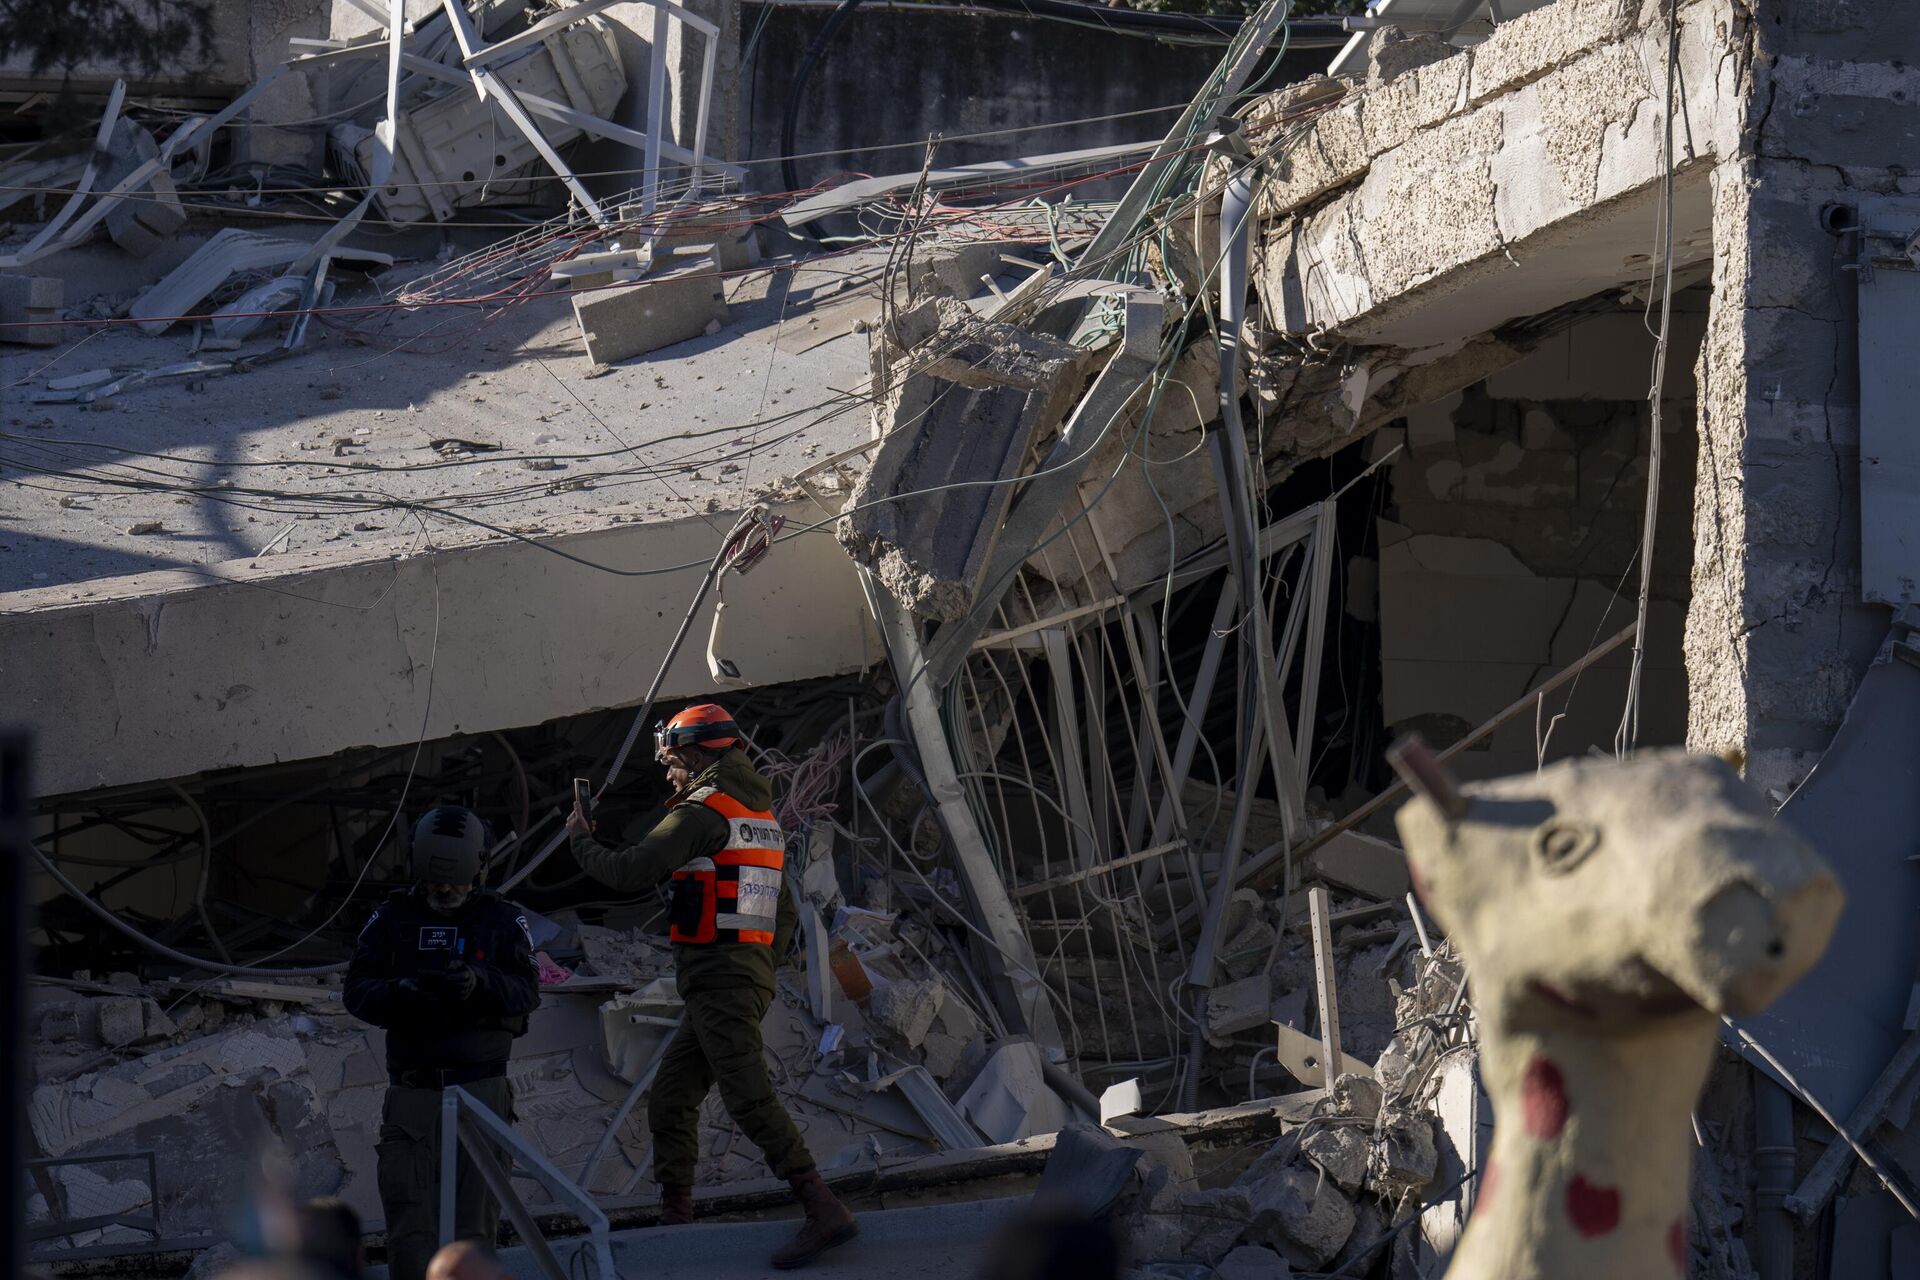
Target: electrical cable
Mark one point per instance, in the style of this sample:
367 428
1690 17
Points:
79 895
620 758
789 120
1628 734
259 968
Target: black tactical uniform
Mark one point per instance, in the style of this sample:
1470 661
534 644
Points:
408 975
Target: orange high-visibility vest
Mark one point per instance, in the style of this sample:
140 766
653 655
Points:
734 896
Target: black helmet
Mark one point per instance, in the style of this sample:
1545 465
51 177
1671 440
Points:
449 844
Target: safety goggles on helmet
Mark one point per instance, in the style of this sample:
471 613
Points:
706 726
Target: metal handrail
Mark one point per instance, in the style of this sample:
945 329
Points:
466 1121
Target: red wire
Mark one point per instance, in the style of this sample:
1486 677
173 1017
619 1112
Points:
513 293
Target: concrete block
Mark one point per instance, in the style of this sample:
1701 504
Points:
955 1019
941 1054
1364 865
1404 1158
1342 1151
1300 1215
619 324
33 302
158 1025
145 218
1009 1099
122 1020
1238 1006
734 248
972 418
905 1008
1858 115
956 270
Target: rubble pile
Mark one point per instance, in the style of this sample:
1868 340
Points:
1338 1192
1086 812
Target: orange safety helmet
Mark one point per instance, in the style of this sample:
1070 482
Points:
707 725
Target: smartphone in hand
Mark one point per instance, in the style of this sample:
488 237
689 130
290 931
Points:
583 796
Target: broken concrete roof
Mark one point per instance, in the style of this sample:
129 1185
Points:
1497 182
220 605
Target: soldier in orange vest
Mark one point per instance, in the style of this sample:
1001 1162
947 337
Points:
731 920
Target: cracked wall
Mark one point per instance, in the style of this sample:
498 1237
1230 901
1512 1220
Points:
1508 540
1777 635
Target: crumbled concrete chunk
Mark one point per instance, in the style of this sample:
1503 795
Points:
1393 52
1156 1237
1358 1096
1403 1158
122 1020
1370 1221
1238 1006
1300 1214
905 1008
1340 1149
158 1025
942 1054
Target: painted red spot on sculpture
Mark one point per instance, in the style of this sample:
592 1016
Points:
1593 1210
1543 1098
1677 1245
1487 1181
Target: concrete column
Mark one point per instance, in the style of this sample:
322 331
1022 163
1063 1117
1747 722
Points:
1777 635
686 51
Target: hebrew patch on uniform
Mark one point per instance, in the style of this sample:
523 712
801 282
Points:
759 892
755 833
437 937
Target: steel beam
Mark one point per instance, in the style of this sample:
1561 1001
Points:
1013 972
1231 77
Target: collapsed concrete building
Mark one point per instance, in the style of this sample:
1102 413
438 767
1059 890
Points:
1528 384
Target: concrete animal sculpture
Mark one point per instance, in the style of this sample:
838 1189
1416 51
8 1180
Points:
1608 914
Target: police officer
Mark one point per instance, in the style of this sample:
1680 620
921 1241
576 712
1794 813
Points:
730 923
447 968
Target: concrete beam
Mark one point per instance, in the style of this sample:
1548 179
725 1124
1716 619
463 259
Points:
164 675
1499 182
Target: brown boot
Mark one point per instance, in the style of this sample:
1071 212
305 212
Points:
828 1223
676 1206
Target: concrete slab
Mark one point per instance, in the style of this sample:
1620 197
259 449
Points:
1498 183
271 589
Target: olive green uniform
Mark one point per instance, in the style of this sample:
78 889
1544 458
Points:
727 988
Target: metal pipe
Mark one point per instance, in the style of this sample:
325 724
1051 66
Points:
1773 1181
1063 1083
206 867
1236 207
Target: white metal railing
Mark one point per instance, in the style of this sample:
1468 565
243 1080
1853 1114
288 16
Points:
466 1122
